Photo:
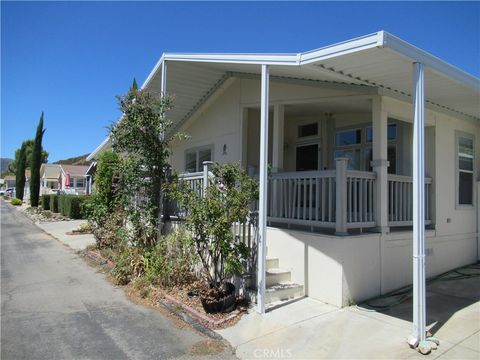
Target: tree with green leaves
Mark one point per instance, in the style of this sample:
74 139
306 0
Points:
12 167
140 136
36 162
20 171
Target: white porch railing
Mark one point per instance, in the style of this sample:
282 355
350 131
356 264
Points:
400 200
340 199
311 198
302 198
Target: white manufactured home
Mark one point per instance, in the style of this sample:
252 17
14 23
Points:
336 127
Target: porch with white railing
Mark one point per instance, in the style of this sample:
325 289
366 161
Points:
339 199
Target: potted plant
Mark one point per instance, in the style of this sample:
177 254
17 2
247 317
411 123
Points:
209 219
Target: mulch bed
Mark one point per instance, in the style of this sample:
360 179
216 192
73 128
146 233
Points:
38 214
176 299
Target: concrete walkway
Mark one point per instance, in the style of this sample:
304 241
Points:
59 230
308 329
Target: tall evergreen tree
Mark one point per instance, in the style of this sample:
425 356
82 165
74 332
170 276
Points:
36 162
134 85
20 172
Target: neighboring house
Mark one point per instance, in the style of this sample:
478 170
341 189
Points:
10 183
72 179
339 139
49 175
90 178
68 178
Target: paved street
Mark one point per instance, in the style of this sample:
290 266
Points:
54 306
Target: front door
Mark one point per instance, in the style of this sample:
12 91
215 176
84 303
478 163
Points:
307 157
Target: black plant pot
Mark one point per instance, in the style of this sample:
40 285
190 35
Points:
225 304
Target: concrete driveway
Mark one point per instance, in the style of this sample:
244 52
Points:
54 306
308 329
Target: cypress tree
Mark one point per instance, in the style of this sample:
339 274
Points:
134 86
20 172
36 162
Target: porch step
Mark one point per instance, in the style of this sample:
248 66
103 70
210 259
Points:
272 263
277 276
283 292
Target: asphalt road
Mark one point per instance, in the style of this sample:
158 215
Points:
54 306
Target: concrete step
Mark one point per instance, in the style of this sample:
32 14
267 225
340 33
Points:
272 263
283 292
277 276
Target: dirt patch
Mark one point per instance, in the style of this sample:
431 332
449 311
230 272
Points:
207 347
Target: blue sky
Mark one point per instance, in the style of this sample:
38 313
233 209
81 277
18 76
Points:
71 59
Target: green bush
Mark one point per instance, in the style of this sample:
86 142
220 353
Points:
45 202
172 261
61 204
71 205
16 202
74 206
54 203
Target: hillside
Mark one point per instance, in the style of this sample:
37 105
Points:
4 164
77 160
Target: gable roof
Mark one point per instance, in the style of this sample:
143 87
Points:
379 61
74 170
50 171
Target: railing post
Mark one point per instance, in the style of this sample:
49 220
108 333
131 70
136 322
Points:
207 166
341 196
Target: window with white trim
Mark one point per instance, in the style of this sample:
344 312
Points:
352 144
465 169
195 157
80 183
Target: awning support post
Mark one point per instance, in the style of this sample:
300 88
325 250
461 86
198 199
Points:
418 203
419 335
262 213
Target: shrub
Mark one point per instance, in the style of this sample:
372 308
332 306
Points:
111 233
129 265
171 262
54 203
71 206
102 203
16 202
61 203
46 202
210 218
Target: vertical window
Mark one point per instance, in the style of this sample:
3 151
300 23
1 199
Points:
194 158
465 159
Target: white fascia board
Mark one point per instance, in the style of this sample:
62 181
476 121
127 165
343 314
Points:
153 72
258 59
432 62
342 48
90 167
98 149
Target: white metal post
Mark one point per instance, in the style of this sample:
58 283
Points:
163 84
419 331
262 213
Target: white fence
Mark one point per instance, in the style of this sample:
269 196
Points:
339 199
312 198
400 200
